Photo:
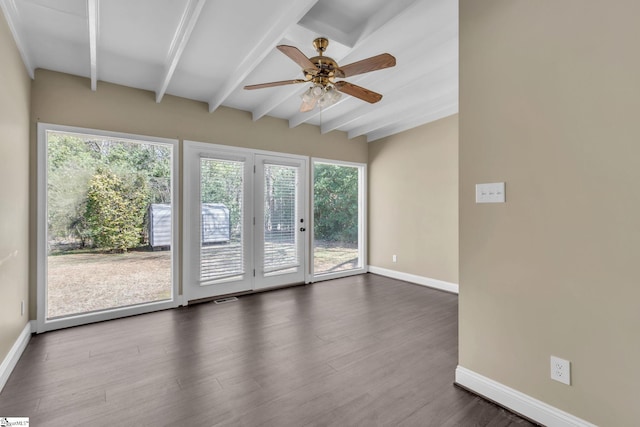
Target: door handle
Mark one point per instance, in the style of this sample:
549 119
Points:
303 229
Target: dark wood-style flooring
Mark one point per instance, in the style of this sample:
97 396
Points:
359 351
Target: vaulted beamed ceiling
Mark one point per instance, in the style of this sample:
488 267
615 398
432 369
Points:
207 50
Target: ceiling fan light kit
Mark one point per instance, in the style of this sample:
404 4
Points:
322 71
323 96
330 97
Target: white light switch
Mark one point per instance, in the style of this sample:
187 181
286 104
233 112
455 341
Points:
490 193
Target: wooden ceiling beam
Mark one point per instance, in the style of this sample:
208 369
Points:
12 16
401 110
418 119
439 71
93 12
180 40
260 50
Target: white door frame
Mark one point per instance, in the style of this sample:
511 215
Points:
261 281
191 150
362 221
191 287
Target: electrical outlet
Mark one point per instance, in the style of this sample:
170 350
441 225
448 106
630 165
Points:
394 258
561 370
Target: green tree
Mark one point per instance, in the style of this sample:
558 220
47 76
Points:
151 160
72 162
70 167
116 207
335 192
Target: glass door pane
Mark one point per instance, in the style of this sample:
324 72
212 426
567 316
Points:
280 220
280 225
222 219
109 230
337 217
217 221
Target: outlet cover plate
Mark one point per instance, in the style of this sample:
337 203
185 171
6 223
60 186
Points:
561 370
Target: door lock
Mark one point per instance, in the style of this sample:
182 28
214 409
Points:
303 229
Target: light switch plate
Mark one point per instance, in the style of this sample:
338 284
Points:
490 193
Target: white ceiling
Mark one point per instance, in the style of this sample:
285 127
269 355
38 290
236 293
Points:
208 50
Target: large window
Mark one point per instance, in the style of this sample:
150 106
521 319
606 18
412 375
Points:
106 224
338 218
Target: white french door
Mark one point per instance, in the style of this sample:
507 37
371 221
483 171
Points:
280 228
217 226
244 223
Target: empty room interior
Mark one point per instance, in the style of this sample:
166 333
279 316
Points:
319 212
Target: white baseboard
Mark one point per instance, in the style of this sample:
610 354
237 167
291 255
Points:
14 354
516 401
418 280
337 275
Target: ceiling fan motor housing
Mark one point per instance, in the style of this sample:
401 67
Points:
325 66
325 69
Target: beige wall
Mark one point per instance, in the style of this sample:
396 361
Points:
413 201
14 190
67 100
549 103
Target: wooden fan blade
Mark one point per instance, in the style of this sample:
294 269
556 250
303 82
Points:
358 91
297 57
374 63
272 84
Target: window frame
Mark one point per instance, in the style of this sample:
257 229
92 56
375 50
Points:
362 221
42 323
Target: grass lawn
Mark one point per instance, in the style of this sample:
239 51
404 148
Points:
84 282
92 281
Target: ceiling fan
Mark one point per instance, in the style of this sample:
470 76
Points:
322 71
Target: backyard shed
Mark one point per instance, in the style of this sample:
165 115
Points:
216 224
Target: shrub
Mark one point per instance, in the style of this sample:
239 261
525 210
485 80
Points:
116 206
